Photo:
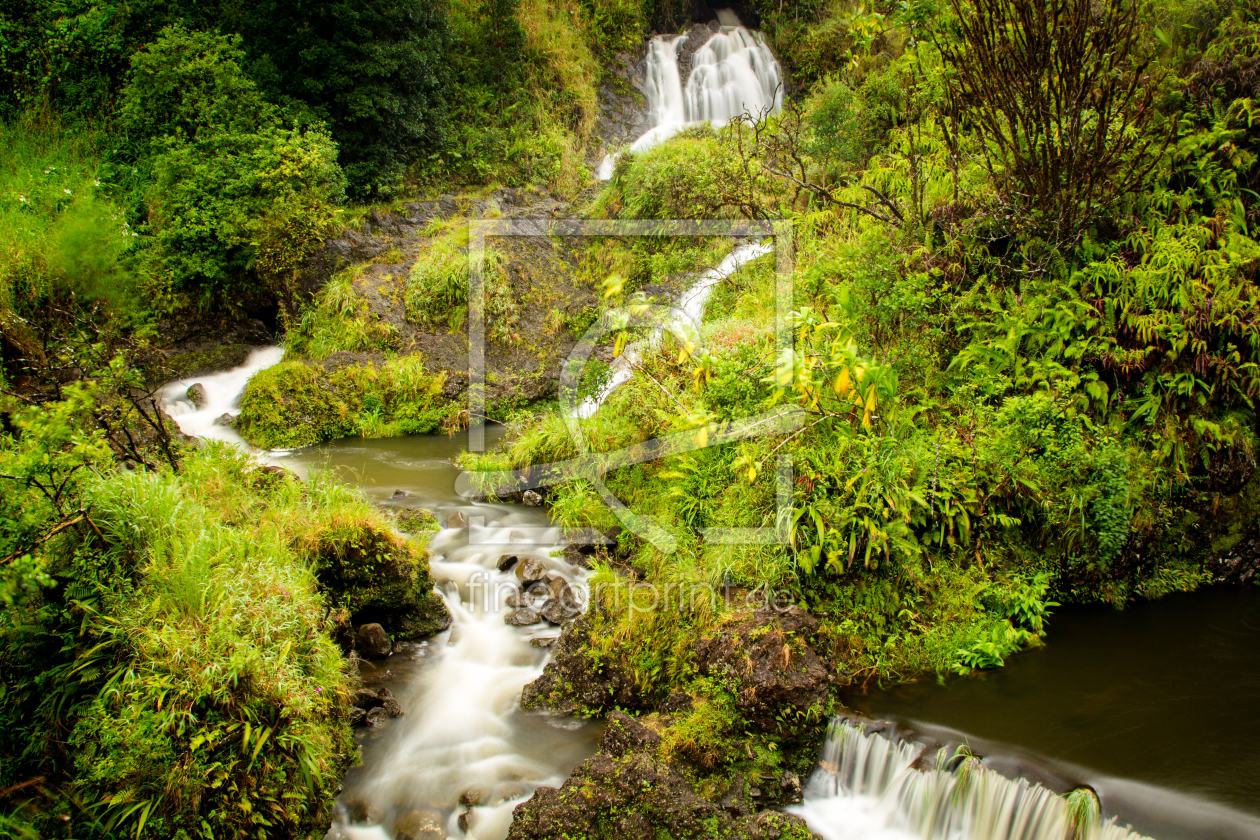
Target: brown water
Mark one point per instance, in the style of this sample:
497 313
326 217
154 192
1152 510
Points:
1155 706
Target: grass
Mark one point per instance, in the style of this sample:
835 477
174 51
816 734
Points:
339 321
59 227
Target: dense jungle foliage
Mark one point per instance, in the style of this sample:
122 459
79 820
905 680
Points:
1026 323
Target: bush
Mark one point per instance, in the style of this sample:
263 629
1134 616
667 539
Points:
178 678
225 172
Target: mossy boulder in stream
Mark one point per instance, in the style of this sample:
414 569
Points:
379 578
297 403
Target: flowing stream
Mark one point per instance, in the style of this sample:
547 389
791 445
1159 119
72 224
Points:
463 754
732 73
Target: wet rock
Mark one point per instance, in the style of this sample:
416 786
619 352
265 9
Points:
367 698
542 641
523 617
638 795
399 494
574 556
517 599
472 797
790 789
558 612
372 641
391 706
419 825
457 520
196 394
377 717
506 562
530 570
362 811
227 421
770 657
532 498
572 684
357 716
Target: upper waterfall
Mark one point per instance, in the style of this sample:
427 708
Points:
731 73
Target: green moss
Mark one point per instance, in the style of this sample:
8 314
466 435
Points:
299 403
223 357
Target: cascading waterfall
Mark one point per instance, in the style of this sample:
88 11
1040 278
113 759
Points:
732 73
869 787
463 738
223 392
686 320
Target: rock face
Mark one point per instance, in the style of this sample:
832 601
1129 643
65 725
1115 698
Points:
771 658
572 684
625 791
373 642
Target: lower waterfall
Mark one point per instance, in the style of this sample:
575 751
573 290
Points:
869 787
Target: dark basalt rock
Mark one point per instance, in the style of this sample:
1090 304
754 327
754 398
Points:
226 420
770 656
506 562
637 795
372 641
572 684
196 394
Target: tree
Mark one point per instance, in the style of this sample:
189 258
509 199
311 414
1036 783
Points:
373 71
225 169
1062 102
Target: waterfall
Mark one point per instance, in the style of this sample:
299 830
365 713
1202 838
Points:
869 787
223 391
732 72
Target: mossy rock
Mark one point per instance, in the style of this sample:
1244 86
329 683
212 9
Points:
298 403
378 578
201 362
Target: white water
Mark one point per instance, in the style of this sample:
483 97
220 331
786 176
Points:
685 323
869 788
732 73
223 396
462 732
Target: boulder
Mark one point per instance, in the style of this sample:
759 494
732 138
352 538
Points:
530 570
419 825
372 641
770 660
377 717
506 562
572 684
574 556
228 421
196 394
523 617
457 520
639 795
399 494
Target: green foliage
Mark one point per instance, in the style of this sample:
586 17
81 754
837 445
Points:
224 170
437 291
338 321
176 678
